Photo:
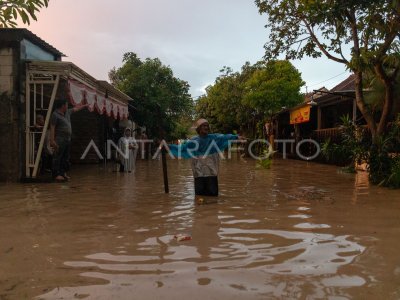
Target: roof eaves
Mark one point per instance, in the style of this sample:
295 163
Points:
110 87
18 34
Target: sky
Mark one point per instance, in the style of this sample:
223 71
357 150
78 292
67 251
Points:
195 38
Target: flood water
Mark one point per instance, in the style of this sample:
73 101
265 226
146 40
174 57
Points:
297 231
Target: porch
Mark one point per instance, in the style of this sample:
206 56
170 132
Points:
47 81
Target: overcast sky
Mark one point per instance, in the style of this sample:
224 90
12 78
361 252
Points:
195 38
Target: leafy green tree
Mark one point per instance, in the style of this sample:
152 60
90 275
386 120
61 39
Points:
225 99
273 86
245 100
222 105
160 99
205 108
314 28
25 9
376 94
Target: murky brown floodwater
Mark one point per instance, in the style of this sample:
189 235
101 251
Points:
298 231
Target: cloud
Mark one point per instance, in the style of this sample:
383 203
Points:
195 38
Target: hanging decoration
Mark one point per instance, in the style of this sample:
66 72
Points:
91 100
80 94
76 92
123 112
300 115
100 104
115 110
108 107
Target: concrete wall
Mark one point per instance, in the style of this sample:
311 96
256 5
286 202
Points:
10 164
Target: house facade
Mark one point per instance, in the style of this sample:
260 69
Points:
32 77
318 117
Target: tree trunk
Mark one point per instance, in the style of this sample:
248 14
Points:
362 106
387 109
388 100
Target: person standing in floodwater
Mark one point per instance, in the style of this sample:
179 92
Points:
128 146
60 137
204 151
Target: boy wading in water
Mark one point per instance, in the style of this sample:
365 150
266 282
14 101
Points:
204 151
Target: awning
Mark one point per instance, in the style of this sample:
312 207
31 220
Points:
101 96
99 102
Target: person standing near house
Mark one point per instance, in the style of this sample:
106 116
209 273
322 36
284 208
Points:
60 137
128 148
204 151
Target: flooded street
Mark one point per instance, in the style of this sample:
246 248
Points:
297 231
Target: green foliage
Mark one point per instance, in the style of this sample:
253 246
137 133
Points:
352 148
336 153
355 140
394 178
161 100
265 161
379 162
381 154
181 128
222 105
273 86
246 100
362 35
25 9
375 96
317 27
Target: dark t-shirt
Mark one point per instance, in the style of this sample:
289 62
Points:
62 124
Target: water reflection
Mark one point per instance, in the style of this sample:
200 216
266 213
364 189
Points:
270 235
215 258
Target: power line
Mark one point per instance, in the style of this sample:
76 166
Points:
311 85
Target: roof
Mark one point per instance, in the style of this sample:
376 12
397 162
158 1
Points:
18 34
315 94
343 90
346 85
69 69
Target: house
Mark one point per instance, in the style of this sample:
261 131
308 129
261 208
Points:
319 116
32 77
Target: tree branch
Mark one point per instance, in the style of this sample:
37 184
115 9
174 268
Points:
386 45
354 32
320 46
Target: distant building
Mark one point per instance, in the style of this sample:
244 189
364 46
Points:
318 117
32 77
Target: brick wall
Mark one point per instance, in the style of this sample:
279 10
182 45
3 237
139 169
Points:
10 164
6 70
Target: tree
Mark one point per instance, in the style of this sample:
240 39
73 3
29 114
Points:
246 100
222 105
314 28
161 100
26 9
273 86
